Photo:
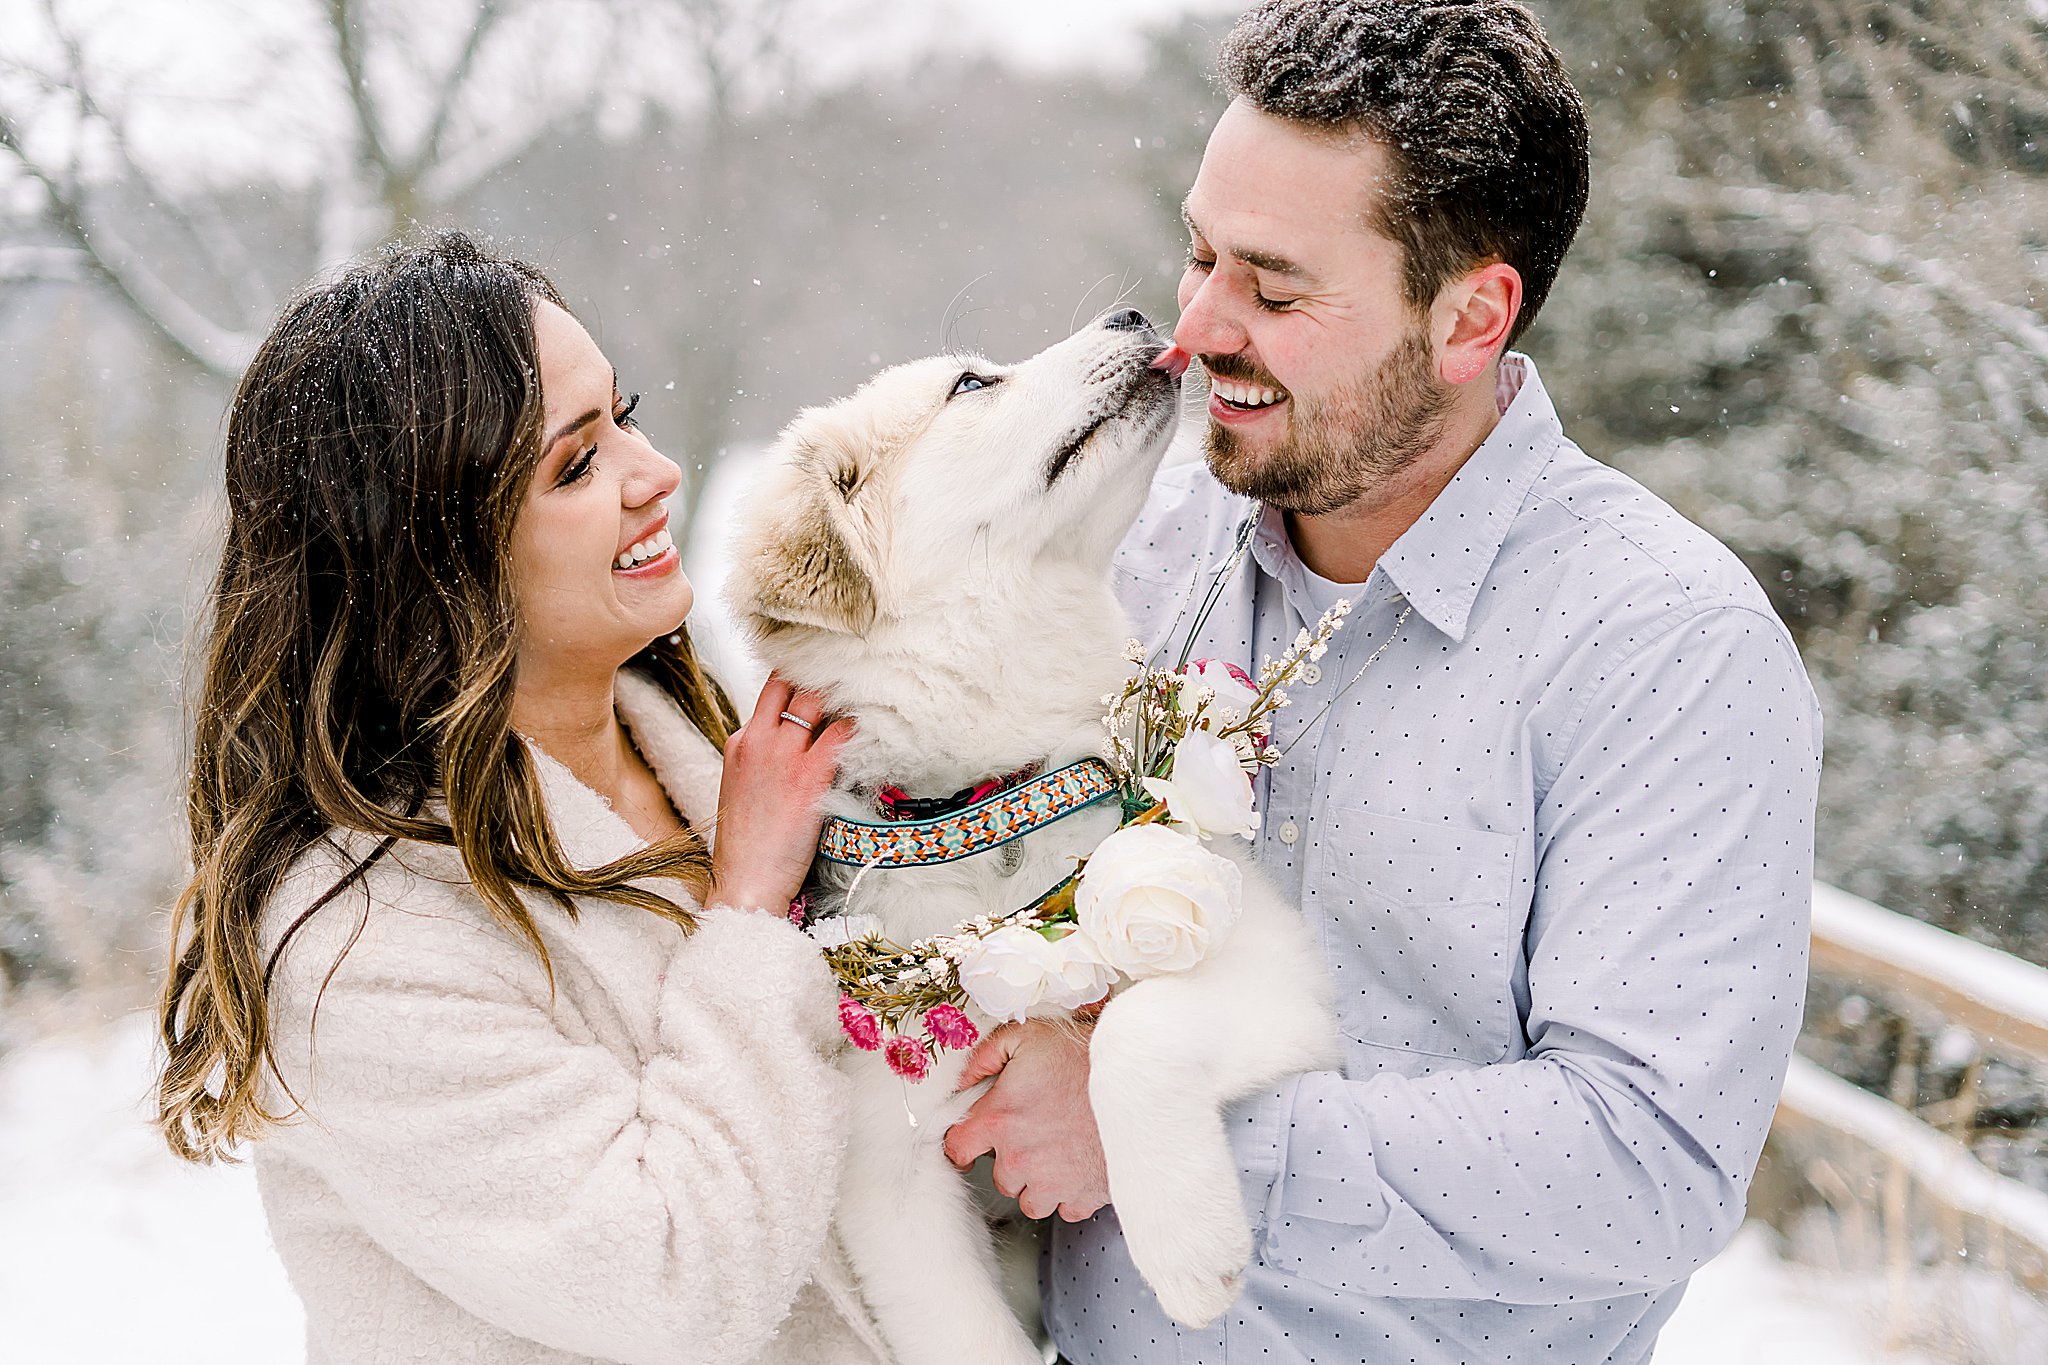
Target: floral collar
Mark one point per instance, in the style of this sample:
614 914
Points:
922 833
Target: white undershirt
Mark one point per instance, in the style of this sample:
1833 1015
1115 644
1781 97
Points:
1323 592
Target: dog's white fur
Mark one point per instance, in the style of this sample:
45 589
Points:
934 558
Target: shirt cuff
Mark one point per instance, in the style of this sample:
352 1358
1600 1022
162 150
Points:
1328 1174
1258 1136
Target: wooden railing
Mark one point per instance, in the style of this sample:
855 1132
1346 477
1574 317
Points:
1894 1184
1998 997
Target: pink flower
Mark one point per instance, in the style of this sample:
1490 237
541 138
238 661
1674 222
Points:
1232 689
907 1058
859 1024
1202 665
799 909
948 1026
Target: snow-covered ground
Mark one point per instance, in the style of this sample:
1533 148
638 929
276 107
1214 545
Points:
112 1253
1748 1305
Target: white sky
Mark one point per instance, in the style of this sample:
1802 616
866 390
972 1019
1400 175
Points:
222 85
1040 34
1059 33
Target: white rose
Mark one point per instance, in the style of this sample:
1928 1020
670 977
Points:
1215 675
1153 900
1006 972
1209 791
1080 977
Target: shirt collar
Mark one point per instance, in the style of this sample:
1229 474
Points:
1441 561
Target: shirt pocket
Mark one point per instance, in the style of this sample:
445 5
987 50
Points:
1417 923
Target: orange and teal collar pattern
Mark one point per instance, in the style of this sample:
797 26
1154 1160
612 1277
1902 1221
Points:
977 827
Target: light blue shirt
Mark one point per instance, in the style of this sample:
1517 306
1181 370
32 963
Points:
1557 843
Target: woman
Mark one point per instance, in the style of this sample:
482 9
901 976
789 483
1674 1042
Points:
537 1063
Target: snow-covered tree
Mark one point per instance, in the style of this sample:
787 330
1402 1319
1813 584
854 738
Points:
1808 308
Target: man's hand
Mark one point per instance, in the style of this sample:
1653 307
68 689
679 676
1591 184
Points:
1035 1118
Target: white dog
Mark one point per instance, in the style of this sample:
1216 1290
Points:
933 555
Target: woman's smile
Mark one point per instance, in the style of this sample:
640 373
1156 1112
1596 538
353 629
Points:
651 556
665 560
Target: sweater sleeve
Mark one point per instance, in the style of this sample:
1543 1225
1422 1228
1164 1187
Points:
660 1208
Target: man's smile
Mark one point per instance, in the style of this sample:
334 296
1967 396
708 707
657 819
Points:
1239 405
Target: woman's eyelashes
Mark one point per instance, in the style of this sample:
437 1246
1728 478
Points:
579 467
587 461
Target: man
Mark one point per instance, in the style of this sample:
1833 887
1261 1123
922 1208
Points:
1556 838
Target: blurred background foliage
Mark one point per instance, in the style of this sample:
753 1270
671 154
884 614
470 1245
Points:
1807 308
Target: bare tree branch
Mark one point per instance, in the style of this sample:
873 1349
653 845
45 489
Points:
219 254
193 337
457 174
738 48
488 13
373 149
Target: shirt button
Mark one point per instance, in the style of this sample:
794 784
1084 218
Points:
1311 674
1289 832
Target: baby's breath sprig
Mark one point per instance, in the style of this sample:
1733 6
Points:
1158 707
894 983
1310 645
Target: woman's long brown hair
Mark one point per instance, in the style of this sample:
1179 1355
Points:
359 672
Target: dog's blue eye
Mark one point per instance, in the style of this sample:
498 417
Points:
968 383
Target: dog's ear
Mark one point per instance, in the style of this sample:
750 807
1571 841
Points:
810 561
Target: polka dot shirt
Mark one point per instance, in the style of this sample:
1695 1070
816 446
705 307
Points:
1557 846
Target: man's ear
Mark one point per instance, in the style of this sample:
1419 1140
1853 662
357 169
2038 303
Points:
808 562
1473 319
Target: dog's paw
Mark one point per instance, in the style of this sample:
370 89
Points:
1191 1247
1174 1184
1196 1297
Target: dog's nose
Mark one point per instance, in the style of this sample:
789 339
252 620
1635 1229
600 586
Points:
1127 320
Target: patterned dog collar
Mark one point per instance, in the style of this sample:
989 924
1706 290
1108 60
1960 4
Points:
989 823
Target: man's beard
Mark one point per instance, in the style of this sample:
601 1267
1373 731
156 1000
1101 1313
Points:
1345 446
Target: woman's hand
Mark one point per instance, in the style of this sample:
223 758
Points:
776 772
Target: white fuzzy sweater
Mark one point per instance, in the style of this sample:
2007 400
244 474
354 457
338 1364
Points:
640 1167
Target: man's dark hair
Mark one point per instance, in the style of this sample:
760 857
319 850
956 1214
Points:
1485 131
